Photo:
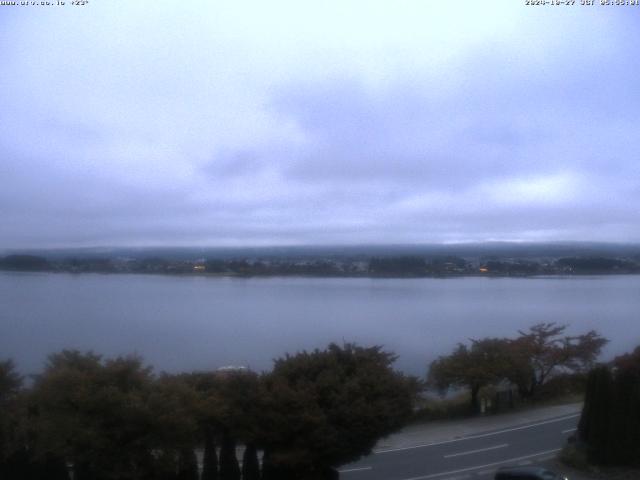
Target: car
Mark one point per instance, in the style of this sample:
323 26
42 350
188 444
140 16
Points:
527 473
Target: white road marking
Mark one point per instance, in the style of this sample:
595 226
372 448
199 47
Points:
485 472
470 452
569 430
473 437
359 469
477 467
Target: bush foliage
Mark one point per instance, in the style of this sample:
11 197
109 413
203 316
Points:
610 423
114 419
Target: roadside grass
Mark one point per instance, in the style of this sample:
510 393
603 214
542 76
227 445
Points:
449 408
564 399
575 458
457 406
572 462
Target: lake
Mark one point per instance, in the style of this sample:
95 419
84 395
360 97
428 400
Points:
191 323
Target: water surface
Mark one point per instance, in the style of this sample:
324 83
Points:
185 323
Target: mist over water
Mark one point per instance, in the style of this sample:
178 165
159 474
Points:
190 323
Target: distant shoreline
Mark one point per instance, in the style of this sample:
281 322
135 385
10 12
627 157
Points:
333 266
352 276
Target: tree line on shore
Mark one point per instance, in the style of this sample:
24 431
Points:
114 419
391 266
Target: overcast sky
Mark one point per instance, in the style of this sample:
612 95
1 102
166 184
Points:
256 123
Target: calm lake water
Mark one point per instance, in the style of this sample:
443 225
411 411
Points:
187 323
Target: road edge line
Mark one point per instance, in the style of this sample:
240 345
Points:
480 435
493 464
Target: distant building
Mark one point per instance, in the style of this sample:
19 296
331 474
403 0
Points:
232 368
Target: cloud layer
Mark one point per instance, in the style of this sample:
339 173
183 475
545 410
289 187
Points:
251 124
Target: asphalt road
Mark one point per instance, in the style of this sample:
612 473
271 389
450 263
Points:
475 456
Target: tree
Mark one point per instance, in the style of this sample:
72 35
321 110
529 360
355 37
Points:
11 421
208 405
110 418
210 458
250 464
542 351
10 385
10 381
18 458
594 426
485 362
24 263
596 265
93 413
229 406
528 361
239 405
229 468
173 405
329 407
398 266
610 421
187 465
626 412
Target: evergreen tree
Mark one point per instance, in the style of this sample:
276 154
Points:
10 417
18 465
268 472
229 468
610 421
625 419
82 471
187 465
585 422
165 468
274 470
595 425
53 467
210 459
250 464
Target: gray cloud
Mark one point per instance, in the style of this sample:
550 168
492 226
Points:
522 128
